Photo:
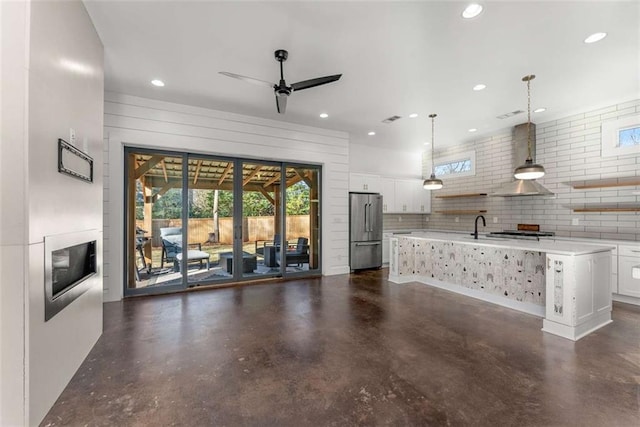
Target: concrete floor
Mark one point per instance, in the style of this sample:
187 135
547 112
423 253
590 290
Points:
348 350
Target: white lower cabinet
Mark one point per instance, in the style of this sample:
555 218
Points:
628 259
578 294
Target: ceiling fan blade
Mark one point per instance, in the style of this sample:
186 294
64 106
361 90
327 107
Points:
281 103
306 84
248 79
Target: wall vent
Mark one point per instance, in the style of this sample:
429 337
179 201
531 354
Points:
511 114
391 119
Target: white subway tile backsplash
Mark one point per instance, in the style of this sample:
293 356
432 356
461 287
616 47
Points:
569 149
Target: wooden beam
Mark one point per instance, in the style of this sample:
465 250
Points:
163 190
293 180
272 180
225 173
147 166
164 170
267 195
195 177
251 175
303 174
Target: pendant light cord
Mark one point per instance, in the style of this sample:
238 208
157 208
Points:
529 117
433 142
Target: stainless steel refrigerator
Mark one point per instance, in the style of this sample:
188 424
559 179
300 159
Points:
365 230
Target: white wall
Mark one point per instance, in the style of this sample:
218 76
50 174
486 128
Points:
56 84
385 162
13 162
569 149
141 122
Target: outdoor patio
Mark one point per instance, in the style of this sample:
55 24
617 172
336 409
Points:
197 273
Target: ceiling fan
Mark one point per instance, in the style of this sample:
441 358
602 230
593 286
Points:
281 90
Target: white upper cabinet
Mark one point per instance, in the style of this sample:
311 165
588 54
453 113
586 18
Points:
362 182
404 196
421 198
398 195
388 194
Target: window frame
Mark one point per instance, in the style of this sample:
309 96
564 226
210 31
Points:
610 132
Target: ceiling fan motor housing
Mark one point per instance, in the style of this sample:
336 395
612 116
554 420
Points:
281 55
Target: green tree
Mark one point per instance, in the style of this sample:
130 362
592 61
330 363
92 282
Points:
298 199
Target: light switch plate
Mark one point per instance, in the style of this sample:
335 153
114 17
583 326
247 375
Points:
575 221
495 219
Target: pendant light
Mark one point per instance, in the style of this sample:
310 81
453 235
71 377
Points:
432 183
529 170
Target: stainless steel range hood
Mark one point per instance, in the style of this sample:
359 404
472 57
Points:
521 187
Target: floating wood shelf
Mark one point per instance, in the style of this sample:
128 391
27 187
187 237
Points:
606 183
459 196
461 212
608 209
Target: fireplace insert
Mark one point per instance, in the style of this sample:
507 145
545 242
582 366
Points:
70 260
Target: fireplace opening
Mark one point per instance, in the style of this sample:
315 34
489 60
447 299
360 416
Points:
71 266
71 260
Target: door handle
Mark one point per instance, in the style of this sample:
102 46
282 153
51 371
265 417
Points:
368 244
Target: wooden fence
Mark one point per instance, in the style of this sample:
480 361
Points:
255 228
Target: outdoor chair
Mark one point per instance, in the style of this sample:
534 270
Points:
172 244
297 256
260 250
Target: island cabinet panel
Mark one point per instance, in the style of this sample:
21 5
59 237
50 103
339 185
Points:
578 294
393 256
566 283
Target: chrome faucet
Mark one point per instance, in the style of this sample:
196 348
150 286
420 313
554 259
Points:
484 224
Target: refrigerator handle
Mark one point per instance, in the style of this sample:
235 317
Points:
369 216
366 228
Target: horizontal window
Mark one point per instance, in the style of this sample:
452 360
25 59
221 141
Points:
458 165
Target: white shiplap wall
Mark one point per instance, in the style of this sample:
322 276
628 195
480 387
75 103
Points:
569 148
140 122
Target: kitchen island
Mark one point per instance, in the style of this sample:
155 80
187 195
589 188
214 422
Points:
566 283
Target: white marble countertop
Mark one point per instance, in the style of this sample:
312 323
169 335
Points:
547 246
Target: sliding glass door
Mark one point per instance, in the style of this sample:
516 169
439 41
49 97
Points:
302 195
210 197
196 220
261 219
154 238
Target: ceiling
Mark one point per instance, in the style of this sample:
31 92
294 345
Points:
396 58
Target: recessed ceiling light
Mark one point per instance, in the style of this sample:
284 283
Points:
539 110
323 115
413 115
157 82
595 37
426 143
479 86
471 11
371 133
473 130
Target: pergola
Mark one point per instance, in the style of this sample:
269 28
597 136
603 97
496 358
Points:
164 172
